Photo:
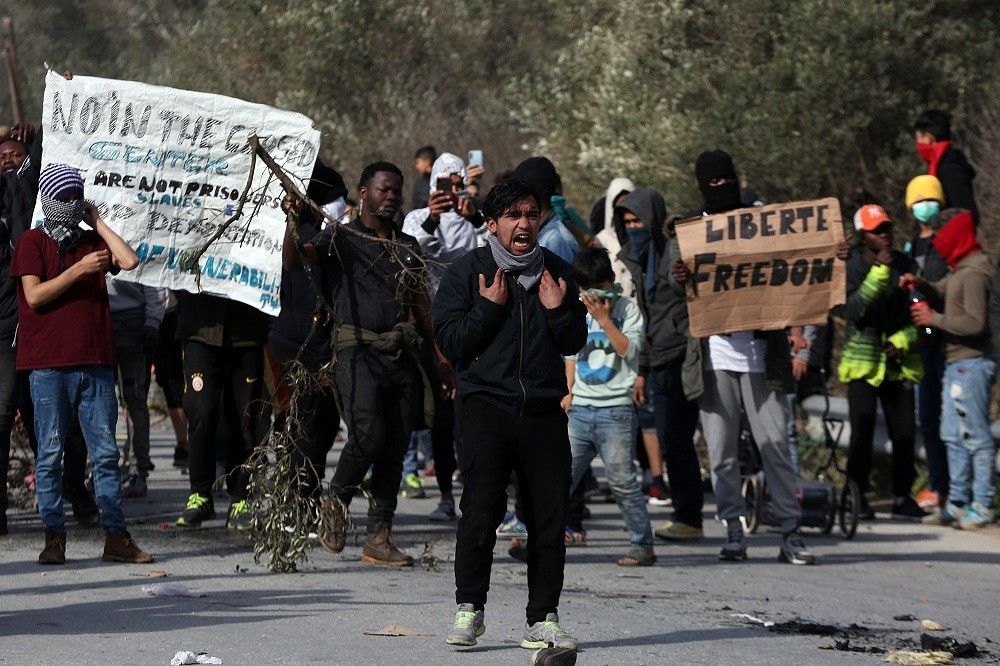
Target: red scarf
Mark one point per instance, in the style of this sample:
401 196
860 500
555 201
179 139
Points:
931 153
957 239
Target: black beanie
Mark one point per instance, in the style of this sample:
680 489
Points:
325 184
713 164
541 174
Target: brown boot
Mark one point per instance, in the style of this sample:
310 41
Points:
380 549
119 547
55 549
333 524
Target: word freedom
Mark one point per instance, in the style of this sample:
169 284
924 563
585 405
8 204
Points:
773 273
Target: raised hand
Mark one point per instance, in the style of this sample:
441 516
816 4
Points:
439 202
681 272
843 249
551 293
497 291
599 308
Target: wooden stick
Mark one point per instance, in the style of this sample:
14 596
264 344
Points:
11 50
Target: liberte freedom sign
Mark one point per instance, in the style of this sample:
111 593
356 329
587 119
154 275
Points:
763 268
166 168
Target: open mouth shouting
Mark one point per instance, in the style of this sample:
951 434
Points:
521 242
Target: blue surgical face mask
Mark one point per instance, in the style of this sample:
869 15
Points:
925 211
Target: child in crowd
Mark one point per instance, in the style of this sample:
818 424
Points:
965 422
602 418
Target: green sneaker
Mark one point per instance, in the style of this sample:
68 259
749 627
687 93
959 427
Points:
547 634
239 516
413 486
470 624
199 509
675 531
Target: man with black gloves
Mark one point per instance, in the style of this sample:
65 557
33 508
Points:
506 315
742 372
639 220
376 276
932 138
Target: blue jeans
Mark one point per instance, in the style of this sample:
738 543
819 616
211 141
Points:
965 429
610 432
420 443
87 392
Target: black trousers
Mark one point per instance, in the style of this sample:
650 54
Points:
898 406
444 427
316 410
676 420
382 402
537 449
226 382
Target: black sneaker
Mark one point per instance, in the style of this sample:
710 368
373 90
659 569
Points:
905 508
794 550
180 457
199 509
735 548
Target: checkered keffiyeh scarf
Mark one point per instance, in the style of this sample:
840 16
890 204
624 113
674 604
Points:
60 189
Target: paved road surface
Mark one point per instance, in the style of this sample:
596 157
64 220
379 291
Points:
676 612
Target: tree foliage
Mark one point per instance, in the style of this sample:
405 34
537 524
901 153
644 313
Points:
813 98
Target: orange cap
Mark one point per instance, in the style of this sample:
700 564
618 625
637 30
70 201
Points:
870 217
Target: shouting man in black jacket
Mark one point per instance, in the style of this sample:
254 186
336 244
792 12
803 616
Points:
506 315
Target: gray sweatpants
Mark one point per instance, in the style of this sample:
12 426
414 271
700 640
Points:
767 412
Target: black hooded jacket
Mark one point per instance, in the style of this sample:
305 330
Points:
956 175
17 205
512 354
664 310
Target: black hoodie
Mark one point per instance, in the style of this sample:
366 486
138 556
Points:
956 174
665 311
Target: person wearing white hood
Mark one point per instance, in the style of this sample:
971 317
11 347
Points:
608 236
449 227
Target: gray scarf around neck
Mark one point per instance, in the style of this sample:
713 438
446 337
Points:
528 266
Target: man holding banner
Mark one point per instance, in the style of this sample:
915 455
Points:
739 359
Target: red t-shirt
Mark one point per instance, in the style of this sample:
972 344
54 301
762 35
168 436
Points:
75 328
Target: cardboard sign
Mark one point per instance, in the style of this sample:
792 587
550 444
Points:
763 268
166 168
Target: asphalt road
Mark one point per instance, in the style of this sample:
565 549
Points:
680 611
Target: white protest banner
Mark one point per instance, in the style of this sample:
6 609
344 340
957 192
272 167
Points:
166 168
763 268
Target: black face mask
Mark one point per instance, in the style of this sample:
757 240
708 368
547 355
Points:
722 198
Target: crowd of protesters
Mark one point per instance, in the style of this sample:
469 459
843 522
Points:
517 339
